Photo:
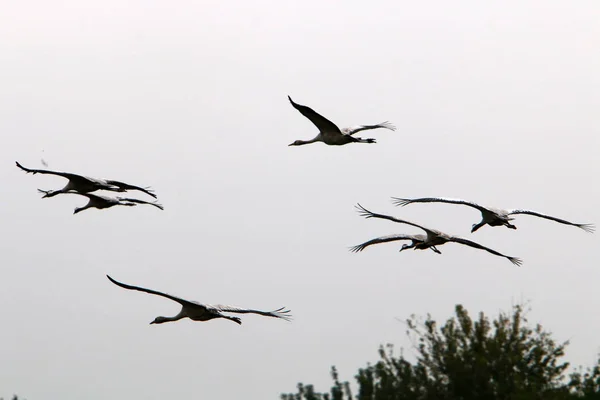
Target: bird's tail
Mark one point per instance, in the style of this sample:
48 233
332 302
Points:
361 140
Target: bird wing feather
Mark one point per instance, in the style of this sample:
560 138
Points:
368 214
67 175
586 227
355 129
179 300
127 186
514 260
157 205
324 125
279 313
381 239
403 202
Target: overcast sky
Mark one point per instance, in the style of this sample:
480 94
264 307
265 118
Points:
495 103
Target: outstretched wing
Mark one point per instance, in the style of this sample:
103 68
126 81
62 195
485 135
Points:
514 260
353 130
586 227
368 214
403 202
126 186
155 204
324 125
381 239
46 171
141 289
279 313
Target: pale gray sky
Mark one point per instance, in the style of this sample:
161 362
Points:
496 103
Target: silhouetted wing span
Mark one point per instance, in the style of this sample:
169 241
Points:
514 260
141 202
141 289
279 313
58 173
382 239
586 227
320 121
127 186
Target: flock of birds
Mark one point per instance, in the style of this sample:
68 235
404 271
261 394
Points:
330 134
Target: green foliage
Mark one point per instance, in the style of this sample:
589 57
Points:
586 384
468 359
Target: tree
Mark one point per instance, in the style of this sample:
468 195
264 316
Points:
468 359
586 385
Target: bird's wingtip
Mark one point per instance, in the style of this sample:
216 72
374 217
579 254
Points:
516 261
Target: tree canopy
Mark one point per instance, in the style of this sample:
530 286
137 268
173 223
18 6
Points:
468 359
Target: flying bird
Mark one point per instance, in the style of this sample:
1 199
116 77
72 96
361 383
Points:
491 216
416 240
204 312
84 184
433 238
329 133
101 202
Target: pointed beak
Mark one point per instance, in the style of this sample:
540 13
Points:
151 322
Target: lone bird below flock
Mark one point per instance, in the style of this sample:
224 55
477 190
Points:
84 184
422 242
329 133
100 202
203 312
490 216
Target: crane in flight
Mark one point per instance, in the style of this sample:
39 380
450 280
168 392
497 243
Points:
432 239
84 184
329 133
491 216
203 312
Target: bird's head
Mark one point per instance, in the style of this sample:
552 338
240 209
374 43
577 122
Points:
296 143
158 320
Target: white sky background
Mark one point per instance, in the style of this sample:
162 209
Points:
493 103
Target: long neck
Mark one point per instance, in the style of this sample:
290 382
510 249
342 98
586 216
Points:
162 320
52 193
315 139
171 319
